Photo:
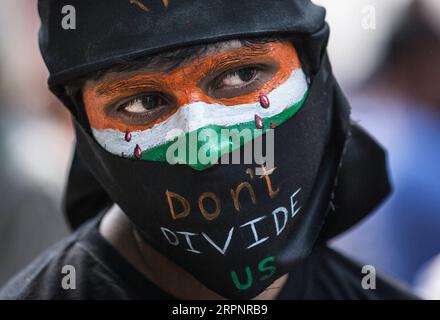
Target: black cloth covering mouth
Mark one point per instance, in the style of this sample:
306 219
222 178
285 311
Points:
103 274
341 170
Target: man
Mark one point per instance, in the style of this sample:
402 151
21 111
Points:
157 91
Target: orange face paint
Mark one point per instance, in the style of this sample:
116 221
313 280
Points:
183 83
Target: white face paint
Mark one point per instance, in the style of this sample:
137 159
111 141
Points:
228 87
199 115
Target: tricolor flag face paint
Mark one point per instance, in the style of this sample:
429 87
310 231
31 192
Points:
146 114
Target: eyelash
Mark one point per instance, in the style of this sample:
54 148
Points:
140 98
223 76
133 115
122 107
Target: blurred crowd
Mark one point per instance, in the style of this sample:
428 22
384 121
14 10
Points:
35 143
391 75
399 104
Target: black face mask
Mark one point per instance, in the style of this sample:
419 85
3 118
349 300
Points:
233 231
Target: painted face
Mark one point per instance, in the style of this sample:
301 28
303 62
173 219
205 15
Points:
141 114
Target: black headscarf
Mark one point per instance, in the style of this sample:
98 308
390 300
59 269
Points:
347 166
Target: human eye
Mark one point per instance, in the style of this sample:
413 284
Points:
240 81
142 104
143 109
237 78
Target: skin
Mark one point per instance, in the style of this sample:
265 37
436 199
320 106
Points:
227 73
117 230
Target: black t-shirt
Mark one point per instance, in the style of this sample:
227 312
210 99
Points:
102 273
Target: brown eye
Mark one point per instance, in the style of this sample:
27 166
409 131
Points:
237 78
246 74
143 104
143 109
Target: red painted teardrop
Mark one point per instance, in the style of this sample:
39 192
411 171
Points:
264 101
137 152
128 136
272 125
259 122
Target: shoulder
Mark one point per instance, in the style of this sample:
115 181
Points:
63 271
38 279
334 276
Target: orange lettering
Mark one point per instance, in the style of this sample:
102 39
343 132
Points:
209 216
183 201
236 194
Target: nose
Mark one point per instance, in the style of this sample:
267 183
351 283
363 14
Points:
190 95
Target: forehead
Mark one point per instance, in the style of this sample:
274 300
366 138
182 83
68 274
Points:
168 61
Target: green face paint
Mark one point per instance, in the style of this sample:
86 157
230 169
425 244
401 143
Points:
199 134
204 147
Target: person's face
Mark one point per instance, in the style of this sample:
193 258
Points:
226 76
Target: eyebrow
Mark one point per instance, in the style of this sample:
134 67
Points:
228 58
114 86
235 56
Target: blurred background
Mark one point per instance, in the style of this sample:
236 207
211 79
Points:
386 56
